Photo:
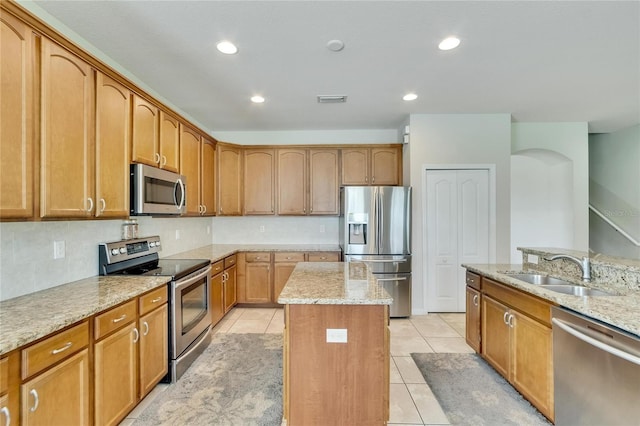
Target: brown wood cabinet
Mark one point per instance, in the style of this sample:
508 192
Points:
10 389
230 282
154 342
169 142
207 177
229 180
144 132
259 181
217 292
308 181
17 150
516 341
67 134
113 111
55 374
372 166
283 265
473 316
258 283
190 161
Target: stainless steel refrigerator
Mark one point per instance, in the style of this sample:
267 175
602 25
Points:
375 228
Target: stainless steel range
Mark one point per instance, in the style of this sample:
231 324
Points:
189 289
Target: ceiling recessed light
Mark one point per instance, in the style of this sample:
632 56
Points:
410 97
449 43
257 99
227 47
335 45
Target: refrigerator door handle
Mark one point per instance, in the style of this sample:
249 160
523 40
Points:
392 279
381 260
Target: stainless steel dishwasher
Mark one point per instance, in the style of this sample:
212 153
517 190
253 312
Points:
596 372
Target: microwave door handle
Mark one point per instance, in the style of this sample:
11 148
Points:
181 185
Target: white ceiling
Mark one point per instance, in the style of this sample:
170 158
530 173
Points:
538 60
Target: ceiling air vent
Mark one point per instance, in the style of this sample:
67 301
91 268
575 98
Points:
332 99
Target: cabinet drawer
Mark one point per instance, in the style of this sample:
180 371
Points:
4 375
229 261
537 309
324 256
473 280
53 349
114 319
154 299
217 267
288 257
258 257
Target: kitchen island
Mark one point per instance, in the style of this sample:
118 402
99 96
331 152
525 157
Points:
336 346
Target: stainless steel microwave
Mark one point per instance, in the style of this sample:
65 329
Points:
156 192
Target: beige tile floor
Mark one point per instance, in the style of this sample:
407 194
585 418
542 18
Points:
412 402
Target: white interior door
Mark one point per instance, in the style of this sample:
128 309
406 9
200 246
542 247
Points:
457 232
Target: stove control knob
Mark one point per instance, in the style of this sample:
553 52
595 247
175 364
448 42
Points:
152 244
123 250
157 243
114 252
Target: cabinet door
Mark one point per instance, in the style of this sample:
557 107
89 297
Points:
281 273
169 142
473 319
259 181
385 166
113 110
323 182
116 375
355 166
532 367
144 133
190 167
258 282
154 348
230 291
217 298
67 134
495 335
229 180
60 395
207 179
292 178
16 115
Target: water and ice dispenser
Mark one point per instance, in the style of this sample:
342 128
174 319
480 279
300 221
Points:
358 228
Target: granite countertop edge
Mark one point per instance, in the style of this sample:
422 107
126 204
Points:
619 311
216 252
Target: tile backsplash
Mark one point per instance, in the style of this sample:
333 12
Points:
27 261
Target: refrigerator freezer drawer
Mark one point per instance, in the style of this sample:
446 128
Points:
380 264
399 287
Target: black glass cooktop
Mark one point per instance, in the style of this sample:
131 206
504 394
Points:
175 268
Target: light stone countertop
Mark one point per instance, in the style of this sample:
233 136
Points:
333 283
28 318
621 311
217 252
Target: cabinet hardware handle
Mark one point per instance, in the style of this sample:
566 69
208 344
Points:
146 328
62 349
137 333
220 209
36 400
157 299
120 319
475 300
103 203
288 257
204 207
90 204
504 318
304 210
156 158
510 323
164 160
7 415
373 179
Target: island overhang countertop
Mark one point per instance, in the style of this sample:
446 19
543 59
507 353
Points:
333 283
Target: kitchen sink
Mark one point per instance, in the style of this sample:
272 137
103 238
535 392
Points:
539 279
577 290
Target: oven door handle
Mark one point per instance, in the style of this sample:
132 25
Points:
185 282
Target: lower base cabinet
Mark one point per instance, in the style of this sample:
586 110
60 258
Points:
154 342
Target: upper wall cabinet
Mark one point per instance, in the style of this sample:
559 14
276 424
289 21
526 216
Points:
372 166
308 181
146 118
190 167
169 142
259 181
113 112
16 115
207 169
67 134
229 180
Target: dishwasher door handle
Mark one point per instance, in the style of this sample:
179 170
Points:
594 342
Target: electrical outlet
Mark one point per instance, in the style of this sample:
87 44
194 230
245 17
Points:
322 229
261 228
208 230
177 234
59 250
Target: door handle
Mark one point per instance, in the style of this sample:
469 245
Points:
36 400
475 300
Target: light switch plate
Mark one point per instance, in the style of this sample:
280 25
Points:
59 250
336 335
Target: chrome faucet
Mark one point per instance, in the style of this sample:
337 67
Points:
584 264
